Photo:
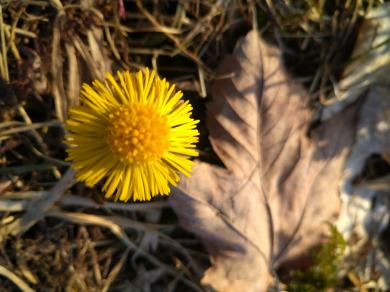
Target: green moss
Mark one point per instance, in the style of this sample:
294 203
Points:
323 274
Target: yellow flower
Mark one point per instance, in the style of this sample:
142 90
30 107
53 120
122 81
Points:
137 134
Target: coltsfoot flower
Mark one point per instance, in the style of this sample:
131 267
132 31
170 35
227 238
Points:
136 134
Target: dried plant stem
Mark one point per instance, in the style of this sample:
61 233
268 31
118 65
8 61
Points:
36 211
3 60
117 230
20 31
176 41
56 67
115 271
30 127
22 112
15 279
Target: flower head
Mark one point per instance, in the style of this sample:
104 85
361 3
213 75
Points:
137 134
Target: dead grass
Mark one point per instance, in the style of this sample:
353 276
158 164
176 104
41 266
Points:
56 234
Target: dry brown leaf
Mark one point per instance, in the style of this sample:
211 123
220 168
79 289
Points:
271 203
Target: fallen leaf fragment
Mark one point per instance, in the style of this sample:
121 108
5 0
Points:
271 203
365 210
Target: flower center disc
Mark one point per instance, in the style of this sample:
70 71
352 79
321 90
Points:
138 133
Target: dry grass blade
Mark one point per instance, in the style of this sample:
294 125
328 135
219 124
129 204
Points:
30 127
37 208
57 4
29 195
126 223
115 271
56 68
72 200
176 41
73 84
117 230
81 218
3 55
96 70
12 206
15 279
95 44
20 31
